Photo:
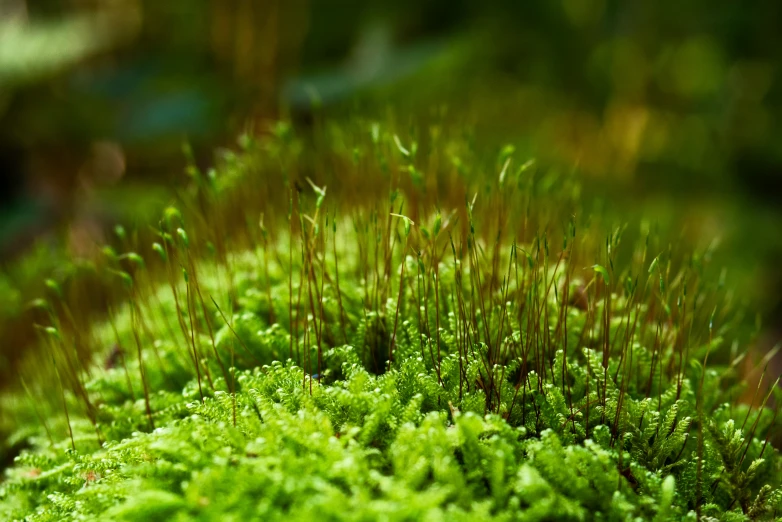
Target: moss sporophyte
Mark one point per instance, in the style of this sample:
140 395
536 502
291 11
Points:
422 340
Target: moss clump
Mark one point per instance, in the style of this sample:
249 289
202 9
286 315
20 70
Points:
392 349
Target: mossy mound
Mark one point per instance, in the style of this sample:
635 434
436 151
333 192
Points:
404 363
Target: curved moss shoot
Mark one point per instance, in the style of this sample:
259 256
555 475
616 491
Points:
443 334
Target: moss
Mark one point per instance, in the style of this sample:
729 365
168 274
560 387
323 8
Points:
393 348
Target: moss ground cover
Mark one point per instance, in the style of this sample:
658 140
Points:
373 322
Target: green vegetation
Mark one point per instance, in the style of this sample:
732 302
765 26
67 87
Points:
381 321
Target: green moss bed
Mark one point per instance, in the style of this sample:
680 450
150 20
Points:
410 333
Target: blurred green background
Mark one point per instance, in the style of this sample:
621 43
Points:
667 106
